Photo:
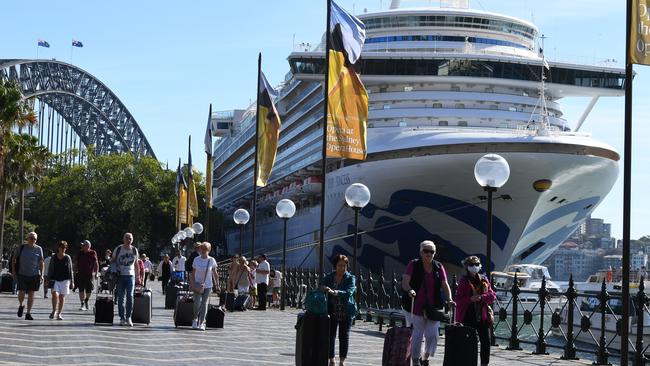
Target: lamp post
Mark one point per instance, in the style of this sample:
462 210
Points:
491 172
285 209
357 197
241 218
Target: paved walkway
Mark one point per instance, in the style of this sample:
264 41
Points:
249 338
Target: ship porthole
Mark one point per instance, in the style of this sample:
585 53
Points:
542 185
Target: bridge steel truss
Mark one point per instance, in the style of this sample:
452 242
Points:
93 111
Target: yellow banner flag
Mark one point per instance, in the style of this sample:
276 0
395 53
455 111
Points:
640 33
194 204
181 208
208 181
268 132
347 111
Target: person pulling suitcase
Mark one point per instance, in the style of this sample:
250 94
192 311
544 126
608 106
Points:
475 296
424 282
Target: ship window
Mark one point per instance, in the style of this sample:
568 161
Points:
512 109
386 106
408 88
460 105
462 123
437 105
494 107
443 123
402 123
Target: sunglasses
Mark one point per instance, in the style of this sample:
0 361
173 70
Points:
427 251
474 265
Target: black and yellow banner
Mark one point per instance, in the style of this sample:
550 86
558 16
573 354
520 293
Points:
347 103
268 132
208 166
181 212
640 33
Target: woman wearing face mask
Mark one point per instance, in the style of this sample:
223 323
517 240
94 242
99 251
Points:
474 297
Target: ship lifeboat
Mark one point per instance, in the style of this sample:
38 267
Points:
312 185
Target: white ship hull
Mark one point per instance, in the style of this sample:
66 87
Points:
435 196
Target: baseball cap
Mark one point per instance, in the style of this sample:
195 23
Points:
85 242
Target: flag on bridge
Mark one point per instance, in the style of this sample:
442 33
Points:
43 43
347 103
268 130
76 43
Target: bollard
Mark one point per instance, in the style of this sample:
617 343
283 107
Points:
513 343
540 345
570 347
640 300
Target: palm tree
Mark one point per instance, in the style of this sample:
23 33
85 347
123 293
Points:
25 166
14 112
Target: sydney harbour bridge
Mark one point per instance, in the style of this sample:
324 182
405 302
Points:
75 109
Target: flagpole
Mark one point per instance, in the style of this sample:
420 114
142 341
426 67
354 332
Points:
321 246
189 184
627 185
257 142
178 200
206 225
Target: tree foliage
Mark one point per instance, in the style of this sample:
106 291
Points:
100 201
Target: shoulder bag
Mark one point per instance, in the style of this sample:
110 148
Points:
433 312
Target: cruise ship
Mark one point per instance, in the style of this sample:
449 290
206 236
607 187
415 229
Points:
446 86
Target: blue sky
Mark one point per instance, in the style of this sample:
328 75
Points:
167 60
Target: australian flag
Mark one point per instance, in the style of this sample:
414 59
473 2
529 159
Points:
43 43
76 43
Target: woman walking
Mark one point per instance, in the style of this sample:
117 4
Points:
475 296
204 276
424 282
340 286
61 279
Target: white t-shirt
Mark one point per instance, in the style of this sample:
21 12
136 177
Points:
262 278
200 274
125 259
148 265
277 280
179 264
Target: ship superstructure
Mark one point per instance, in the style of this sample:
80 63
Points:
446 85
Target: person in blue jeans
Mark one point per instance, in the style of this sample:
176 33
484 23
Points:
125 256
340 287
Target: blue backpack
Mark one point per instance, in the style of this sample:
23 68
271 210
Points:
316 303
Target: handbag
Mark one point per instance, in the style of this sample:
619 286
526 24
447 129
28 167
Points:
199 287
433 312
316 303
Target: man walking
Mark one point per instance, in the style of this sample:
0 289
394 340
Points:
125 256
165 271
87 269
262 280
179 266
148 268
27 266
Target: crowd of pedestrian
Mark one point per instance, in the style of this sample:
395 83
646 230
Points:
426 291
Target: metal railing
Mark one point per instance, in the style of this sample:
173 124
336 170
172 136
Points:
581 324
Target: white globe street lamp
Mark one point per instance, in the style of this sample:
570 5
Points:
357 196
285 209
491 172
197 227
241 218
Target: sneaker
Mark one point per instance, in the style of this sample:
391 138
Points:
20 311
122 321
82 308
59 317
202 326
52 315
195 324
28 316
129 322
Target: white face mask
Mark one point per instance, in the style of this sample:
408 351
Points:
474 269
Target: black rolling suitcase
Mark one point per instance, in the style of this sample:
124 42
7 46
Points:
184 311
6 283
312 340
104 311
241 302
214 317
171 294
461 345
142 306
